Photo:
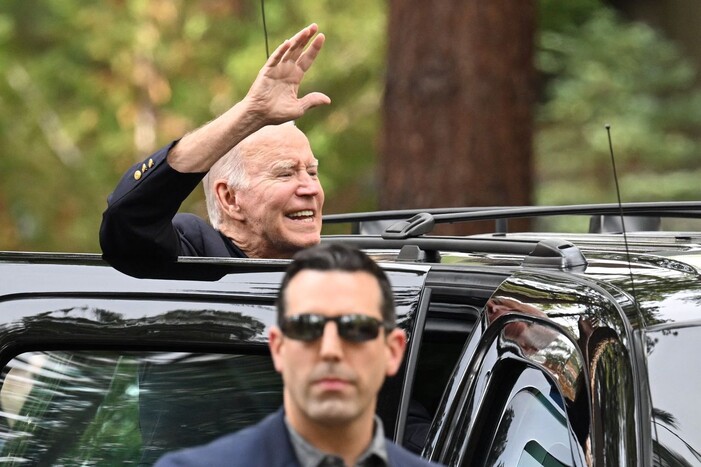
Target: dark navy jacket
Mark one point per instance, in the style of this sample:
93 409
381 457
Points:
140 222
264 444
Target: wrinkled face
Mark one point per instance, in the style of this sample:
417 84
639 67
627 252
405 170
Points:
330 381
281 207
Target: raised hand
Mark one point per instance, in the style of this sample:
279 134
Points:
274 94
272 99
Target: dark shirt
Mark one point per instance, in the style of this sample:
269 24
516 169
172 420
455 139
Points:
309 456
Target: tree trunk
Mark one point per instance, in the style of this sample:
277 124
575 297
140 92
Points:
458 104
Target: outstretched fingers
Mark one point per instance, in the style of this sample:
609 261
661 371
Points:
307 58
274 93
299 41
278 53
293 49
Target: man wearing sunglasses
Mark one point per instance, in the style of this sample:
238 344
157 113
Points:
335 343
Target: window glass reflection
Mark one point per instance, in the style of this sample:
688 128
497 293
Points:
673 363
533 429
126 408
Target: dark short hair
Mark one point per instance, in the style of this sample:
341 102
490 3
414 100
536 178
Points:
338 257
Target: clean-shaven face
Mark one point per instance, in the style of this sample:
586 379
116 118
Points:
331 381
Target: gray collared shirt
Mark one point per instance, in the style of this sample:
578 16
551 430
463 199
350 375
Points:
308 456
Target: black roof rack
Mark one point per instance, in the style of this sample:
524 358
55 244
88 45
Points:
549 253
556 253
416 222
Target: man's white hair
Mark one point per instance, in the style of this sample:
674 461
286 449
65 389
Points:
231 168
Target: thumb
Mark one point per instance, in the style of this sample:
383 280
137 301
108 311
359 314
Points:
314 99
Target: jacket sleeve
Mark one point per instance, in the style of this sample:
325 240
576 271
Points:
138 221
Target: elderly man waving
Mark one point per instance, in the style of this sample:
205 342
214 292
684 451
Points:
263 195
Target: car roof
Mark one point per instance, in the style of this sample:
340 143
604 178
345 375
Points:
27 274
656 269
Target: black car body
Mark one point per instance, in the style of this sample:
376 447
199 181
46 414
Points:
524 349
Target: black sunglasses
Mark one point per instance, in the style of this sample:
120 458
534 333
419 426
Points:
352 327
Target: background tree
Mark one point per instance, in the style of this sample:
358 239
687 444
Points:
598 68
88 88
458 104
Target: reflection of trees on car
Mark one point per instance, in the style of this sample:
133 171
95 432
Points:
91 405
98 407
208 325
663 456
80 406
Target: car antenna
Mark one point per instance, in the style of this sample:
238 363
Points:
625 241
620 210
265 28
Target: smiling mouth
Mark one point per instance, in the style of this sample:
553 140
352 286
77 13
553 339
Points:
306 215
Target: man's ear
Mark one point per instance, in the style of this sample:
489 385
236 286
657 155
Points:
227 199
395 347
275 339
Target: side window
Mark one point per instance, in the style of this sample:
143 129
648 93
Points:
518 397
121 408
532 429
456 298
447 327
522 416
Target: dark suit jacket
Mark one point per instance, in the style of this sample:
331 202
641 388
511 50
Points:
264 444
141 222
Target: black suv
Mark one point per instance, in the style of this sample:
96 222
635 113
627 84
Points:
524 348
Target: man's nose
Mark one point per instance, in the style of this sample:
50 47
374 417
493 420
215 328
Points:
331 345
308 185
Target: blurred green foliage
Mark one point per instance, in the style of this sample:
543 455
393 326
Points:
600 69
88 88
